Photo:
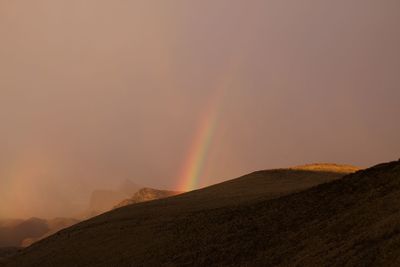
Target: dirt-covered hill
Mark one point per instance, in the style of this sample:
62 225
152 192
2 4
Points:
261 218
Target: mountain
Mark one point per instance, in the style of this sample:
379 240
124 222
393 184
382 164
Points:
147 194
23 233
128 187
13 232
17 233
104 200
231 223
54 225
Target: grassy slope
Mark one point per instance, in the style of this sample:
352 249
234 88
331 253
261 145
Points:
229 223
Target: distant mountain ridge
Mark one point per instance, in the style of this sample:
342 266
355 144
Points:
147 194
23 233
17 233
104 200
189 221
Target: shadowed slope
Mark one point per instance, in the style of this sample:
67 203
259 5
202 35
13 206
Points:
221 224
17 233
7 252
54 225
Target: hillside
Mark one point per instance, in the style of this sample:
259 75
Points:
328 167
17 233
14 232
147 194
23 233
7 252
229 223
54 225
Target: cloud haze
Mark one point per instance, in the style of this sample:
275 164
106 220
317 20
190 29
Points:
95 92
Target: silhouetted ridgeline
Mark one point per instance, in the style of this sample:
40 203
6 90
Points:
250 221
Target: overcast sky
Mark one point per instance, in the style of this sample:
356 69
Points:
97 91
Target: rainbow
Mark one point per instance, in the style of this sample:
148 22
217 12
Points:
203 138
193 165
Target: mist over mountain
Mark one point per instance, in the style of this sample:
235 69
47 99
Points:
133 230
147 194
22 233
261 219
16 233
93 92
104 200
123 123
12 234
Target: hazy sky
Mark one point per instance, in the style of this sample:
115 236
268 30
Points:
93 92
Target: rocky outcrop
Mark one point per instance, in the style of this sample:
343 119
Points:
147 194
